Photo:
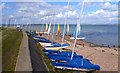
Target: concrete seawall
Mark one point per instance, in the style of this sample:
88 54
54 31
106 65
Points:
23 60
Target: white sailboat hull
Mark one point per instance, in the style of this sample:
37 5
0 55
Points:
55 48
45 32
81 38
35 38
45 44
69 68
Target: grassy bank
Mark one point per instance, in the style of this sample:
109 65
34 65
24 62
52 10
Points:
11 40
0 42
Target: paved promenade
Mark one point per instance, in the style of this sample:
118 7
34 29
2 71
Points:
24 61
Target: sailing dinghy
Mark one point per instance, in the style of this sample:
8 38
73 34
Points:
78 34
46 30
55 45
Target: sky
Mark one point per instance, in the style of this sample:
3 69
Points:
56 12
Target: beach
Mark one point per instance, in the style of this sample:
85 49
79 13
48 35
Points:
106 57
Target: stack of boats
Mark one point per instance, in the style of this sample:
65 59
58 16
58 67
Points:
64 59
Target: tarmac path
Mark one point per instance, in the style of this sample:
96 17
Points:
36 58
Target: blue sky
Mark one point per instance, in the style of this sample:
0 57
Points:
45 12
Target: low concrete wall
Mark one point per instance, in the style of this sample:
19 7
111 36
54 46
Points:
24 60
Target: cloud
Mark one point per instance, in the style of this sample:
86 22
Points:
71 13
100 13
2 5
108 6
102 17
60 15
42 11
114 7
114 14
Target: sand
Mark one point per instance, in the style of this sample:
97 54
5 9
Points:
106 57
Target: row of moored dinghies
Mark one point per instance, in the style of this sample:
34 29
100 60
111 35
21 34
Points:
65 59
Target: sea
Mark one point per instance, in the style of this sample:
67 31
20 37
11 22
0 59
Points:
96 34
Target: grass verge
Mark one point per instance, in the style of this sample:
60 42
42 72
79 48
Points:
11 40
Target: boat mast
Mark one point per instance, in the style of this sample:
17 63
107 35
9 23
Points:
53 28
50 26
14 22
68 28
78 24
30 24
6 23
65 23
46 25
22 21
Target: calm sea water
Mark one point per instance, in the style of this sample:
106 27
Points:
97 34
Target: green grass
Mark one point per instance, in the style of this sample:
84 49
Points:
0 42
11 40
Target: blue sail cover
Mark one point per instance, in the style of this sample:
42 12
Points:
30 33
43 40
77 63
62 58
62 54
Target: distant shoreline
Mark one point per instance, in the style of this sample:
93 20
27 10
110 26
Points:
69 24
86 43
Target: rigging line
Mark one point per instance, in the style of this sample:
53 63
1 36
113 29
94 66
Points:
65 23
78 24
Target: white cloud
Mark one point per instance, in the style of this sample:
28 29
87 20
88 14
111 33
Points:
60 15
102 16
42 12
71 13
2 5
107 6
100 13
114 7
114 13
